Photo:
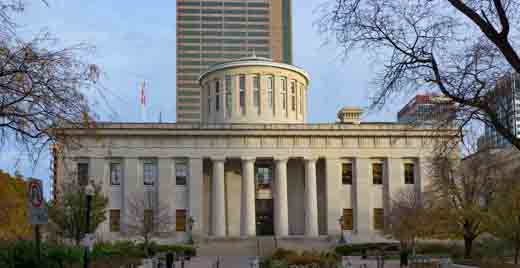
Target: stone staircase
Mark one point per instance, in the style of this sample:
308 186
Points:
259 246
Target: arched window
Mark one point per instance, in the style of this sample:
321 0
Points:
229 96
270 89
293 95
256 92
284 93
217 95
242 88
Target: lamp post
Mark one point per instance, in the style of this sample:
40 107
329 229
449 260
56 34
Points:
341 239
191 221
89 193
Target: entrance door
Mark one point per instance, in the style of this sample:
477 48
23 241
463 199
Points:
264 217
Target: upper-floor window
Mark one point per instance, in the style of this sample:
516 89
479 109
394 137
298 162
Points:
293 95
409 173
82 173
377 173
256 90
181 172
264 177
217 95
229 96
149 172
284 93
270 89
346 173
242 88
148 220
116 173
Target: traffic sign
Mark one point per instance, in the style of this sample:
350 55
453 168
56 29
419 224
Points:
37 211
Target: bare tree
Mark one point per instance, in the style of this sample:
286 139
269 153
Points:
459 195
407 219
503 217
148 218
460 49
41 86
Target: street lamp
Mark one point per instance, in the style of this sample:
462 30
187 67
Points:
341 239
191 221
89 193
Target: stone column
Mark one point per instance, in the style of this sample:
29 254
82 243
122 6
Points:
195 194
219 198
362 190
393 182
248 212
334 200
281 220
311 198
166 185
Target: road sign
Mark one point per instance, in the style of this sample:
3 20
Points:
88 241
37 211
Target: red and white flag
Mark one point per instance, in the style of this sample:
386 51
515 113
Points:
143 101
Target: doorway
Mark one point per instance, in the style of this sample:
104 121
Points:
264 217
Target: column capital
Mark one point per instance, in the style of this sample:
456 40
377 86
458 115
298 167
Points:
247 158
281 158
310 158
218 158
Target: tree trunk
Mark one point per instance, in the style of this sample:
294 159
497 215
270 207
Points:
468 246
517 252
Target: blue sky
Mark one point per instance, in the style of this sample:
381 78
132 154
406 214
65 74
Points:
135 40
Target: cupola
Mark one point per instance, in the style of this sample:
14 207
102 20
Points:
350 115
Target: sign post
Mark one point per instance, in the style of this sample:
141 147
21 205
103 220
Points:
37 212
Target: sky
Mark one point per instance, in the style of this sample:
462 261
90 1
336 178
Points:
135 41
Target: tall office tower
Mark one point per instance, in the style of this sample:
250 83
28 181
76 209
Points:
507 105
216 31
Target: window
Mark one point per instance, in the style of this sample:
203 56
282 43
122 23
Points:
209 99
242 88
149 172
346 173
301 98
284 93
180 220
379 219
409 173
181 172
217 95
293 95
270 88
256 89
264 177
115 220
348 219
377 173
116 173
229 92
148 220
82 173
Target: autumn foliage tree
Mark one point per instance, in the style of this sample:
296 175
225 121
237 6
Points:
14 224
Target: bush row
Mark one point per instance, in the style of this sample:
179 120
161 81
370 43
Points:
22 254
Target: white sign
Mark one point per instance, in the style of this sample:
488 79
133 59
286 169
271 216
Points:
88 241
37 211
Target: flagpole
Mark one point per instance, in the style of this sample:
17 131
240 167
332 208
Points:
143 101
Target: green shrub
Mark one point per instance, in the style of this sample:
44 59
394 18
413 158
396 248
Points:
356 249
22 254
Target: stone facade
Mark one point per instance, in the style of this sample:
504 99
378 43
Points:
253 172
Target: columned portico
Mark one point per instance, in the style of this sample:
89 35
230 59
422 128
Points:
248 211
311 201
281 220
219 198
